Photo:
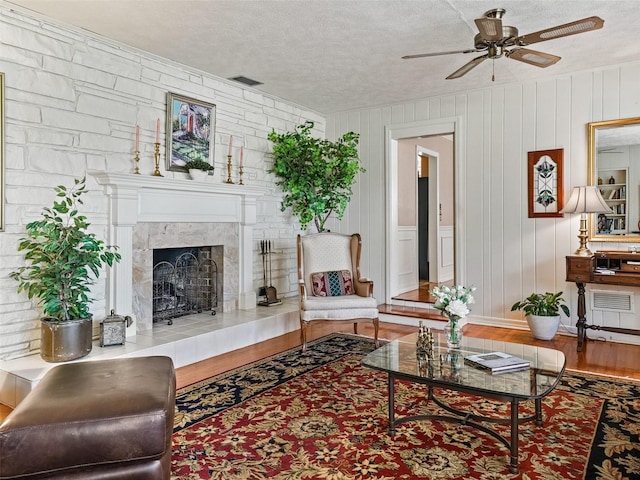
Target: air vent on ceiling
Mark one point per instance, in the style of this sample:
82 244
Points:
247 81
622 302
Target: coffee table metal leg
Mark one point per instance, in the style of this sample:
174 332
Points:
538 402
513 467
392 414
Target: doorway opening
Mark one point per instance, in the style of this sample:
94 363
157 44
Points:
423 234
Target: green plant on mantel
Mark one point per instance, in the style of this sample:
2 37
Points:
316 175
198 165
63 259
542 304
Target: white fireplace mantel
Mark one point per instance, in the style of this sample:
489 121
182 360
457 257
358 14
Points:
135 199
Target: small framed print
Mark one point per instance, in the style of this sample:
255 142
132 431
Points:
545 183
190 131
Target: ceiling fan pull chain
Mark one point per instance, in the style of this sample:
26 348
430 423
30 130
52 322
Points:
493 73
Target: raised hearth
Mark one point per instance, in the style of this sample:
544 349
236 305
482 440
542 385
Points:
148 212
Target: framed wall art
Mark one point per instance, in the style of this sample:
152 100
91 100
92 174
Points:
545 183
1 152
190 131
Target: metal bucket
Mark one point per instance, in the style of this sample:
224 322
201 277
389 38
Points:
64 341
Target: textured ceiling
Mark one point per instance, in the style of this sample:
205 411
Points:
337 55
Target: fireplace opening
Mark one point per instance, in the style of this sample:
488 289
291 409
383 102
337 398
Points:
185 281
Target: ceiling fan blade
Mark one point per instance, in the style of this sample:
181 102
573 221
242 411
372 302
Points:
490 28
467 67
572 28
533 57
421 55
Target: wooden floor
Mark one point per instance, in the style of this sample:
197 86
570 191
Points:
606 358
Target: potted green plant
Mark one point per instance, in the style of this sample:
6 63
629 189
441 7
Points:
63 261
316 175
542 312
198 169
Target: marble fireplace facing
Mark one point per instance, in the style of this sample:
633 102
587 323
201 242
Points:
148 213
149 237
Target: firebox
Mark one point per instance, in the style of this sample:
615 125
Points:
185 281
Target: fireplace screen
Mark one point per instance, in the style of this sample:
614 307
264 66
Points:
184 282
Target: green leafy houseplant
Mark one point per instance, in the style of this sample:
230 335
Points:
542 304
542 312
62 257
198 165
316 175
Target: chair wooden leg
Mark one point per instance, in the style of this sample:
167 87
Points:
355 327
376 328
303 335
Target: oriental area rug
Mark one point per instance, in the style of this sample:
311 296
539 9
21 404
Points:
321 415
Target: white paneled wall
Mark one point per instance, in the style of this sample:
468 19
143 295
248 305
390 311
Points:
72 101
507 255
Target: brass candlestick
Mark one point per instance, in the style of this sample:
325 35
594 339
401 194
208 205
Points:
240 171
137 159
229 169
156 156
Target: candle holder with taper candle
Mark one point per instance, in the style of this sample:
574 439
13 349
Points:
137 160
240 172
229 169
156 156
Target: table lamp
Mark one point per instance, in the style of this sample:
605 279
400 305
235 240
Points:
584 200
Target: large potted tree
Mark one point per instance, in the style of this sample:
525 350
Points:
316 175
63 260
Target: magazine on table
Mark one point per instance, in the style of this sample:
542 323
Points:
497 362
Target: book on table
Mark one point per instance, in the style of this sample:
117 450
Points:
497 362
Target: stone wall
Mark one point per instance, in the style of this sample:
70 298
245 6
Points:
72 101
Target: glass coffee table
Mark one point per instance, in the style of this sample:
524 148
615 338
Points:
446 369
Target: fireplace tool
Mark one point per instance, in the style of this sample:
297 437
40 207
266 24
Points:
269 292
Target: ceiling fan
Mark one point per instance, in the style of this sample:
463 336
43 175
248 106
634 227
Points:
495 39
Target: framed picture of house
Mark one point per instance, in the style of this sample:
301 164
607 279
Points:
190 131
545 183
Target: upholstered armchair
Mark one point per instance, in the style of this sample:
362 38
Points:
330 285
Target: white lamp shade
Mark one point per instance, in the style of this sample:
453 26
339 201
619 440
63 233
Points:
586 200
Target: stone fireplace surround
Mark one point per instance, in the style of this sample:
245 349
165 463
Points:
147 212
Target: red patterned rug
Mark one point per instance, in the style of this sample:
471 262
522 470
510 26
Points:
324 416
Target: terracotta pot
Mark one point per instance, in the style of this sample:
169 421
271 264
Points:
543 328
64 341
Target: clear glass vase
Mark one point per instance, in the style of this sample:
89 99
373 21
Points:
453 334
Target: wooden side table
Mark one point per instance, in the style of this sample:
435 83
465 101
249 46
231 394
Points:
582 270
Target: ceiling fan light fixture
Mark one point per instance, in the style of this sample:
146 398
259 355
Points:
496 39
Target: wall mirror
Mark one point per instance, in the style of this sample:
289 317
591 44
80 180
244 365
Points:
614 165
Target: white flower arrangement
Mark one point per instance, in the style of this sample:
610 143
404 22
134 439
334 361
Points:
453 301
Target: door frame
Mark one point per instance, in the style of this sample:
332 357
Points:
393 133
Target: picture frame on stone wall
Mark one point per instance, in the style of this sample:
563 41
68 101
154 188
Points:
190 131
545 183
1 152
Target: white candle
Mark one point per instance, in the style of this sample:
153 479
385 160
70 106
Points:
137 138
241 154
158 131
230 144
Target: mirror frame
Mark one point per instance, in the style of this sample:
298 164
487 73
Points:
592 176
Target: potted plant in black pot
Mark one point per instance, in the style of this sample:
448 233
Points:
316 175
198 169
63 261
542 312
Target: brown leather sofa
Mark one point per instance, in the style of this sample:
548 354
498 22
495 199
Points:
94 420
